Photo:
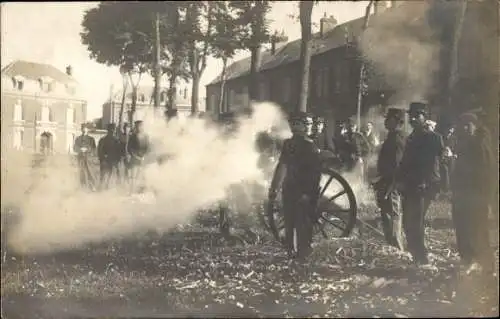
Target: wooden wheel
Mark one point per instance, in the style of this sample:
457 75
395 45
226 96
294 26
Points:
336 211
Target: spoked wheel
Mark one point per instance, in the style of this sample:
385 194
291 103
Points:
337 209
335 215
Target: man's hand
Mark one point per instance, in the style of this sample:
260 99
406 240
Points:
83 149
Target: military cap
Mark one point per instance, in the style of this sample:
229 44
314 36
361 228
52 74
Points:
418 108
299 116
469 117
395 113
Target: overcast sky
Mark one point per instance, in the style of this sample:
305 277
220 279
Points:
49 32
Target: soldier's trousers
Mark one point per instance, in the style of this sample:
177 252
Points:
415 206
390 206
298 223
86 177
470 218
106 170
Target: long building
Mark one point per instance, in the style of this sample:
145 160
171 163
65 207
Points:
42 108
336 60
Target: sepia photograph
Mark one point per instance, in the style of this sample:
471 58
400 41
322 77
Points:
250 159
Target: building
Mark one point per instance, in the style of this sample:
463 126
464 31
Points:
335 64
145 101
42 108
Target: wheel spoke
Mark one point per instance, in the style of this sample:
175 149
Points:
334 197
332 223
326 186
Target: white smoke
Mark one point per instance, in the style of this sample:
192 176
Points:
205 162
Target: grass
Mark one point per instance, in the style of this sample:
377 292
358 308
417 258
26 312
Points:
195 273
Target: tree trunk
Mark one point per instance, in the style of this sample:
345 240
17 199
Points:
157 70
172 90
122 106
305 52
254 72
362 68
195 93
453 58
222 84
133 106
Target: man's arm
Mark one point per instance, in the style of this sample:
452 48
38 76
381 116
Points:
280 172
100 149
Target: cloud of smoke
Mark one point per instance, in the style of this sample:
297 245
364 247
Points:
403 49
205 162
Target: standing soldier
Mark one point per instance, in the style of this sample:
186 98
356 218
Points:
388 197
85 147
108 152
472 193
447 162
419 179
298 174
138 147
353 148
319 135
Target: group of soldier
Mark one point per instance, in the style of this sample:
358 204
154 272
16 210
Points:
412 171
120 153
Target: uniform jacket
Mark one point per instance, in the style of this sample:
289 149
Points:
109 149
84 141
390 156
473 171
301 158
138 145
420 166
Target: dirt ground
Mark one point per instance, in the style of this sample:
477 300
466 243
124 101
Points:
196 274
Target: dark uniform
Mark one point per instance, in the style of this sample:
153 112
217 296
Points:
109 154
447 162
298 174
388 196
472 192
85 147
138 147
419 178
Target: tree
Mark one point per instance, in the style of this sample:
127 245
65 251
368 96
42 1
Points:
227 41
251 15
118 34
124 96
305 12
362 70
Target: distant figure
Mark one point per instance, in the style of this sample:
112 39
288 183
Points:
388 196
138 147
371 137
472 193
109 154
448 160
353 148
85 147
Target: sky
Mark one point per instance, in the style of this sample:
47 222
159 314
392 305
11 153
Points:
49 32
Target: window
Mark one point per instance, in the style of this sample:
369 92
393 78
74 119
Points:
45 112
232 98
185 93
287 88
70 115
18 111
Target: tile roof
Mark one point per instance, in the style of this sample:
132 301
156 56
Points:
34 71
290 52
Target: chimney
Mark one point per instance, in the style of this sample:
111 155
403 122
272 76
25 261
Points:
69 70
380 6
326 24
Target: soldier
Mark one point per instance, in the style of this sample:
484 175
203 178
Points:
447 162
371 137
472 193
388 197
418 179
109 153
298 174
138 147
85 147
319 135
353 147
